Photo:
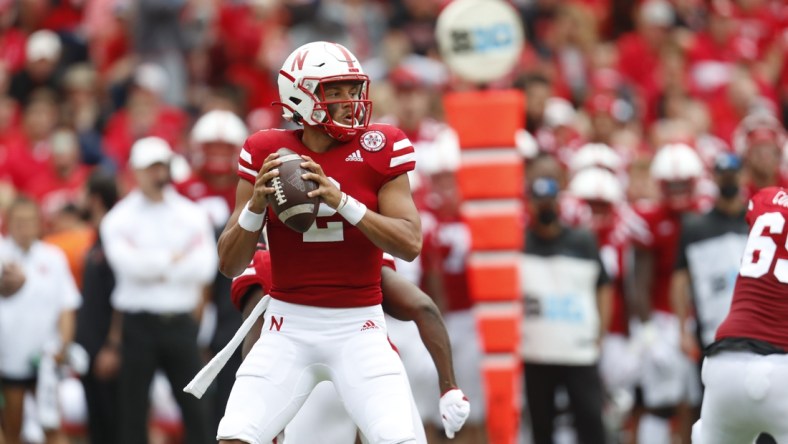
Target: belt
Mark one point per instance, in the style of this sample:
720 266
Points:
744 344
162 317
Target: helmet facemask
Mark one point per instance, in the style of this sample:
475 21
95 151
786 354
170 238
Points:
360 107
351 120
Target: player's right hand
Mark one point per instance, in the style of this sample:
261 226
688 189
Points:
454 409
268 171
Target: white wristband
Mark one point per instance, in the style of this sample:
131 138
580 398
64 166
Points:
250 221
351 209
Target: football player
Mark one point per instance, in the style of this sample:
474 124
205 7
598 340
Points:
401 299
666 371
745 371
619 362
326 318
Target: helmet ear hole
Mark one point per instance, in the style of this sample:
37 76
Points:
295 100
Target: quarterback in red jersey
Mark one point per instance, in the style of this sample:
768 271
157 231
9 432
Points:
326 320
746 369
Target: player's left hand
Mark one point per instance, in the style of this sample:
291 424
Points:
326 190
454 408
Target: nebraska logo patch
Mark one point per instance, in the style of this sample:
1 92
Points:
372 141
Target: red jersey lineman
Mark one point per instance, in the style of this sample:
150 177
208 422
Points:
324 321
746 370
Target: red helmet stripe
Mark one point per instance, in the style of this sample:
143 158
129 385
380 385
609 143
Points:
351 66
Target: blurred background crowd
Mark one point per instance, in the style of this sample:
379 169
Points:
608 84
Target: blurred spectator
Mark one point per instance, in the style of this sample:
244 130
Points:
760 139
60 182
639 51
82 111
69 232
416 20
29 148
159 37
39 318
145 114
162 251
42 54
537 90
564 318
94 318
12 38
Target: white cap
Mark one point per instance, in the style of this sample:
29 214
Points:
558 112
149 151
152 77
43 44
657 12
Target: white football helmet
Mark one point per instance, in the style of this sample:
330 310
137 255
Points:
676 162
217 138
758 121
219 126
597 184
301 82
595 155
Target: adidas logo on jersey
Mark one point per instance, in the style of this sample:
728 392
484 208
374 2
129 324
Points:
369 325
355 156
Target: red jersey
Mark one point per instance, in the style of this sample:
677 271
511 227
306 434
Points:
615 250
759 309
447 250
259 273
333 264
662 240
219 203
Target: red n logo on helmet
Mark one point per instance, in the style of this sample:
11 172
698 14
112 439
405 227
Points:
351 66
299 60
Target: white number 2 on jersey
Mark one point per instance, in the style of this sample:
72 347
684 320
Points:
766 247
333 232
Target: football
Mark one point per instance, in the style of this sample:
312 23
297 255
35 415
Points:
290 201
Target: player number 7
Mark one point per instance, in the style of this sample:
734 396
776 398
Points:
766 247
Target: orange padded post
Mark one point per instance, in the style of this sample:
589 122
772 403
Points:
491 180
502 376
494 279
500 328
491 176
495 225
485 119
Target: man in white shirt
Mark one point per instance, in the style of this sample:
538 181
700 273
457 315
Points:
162 251
38 317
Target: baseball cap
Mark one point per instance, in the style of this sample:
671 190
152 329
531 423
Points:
657 12
727 162
152 77
42 45
149 151
544 188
